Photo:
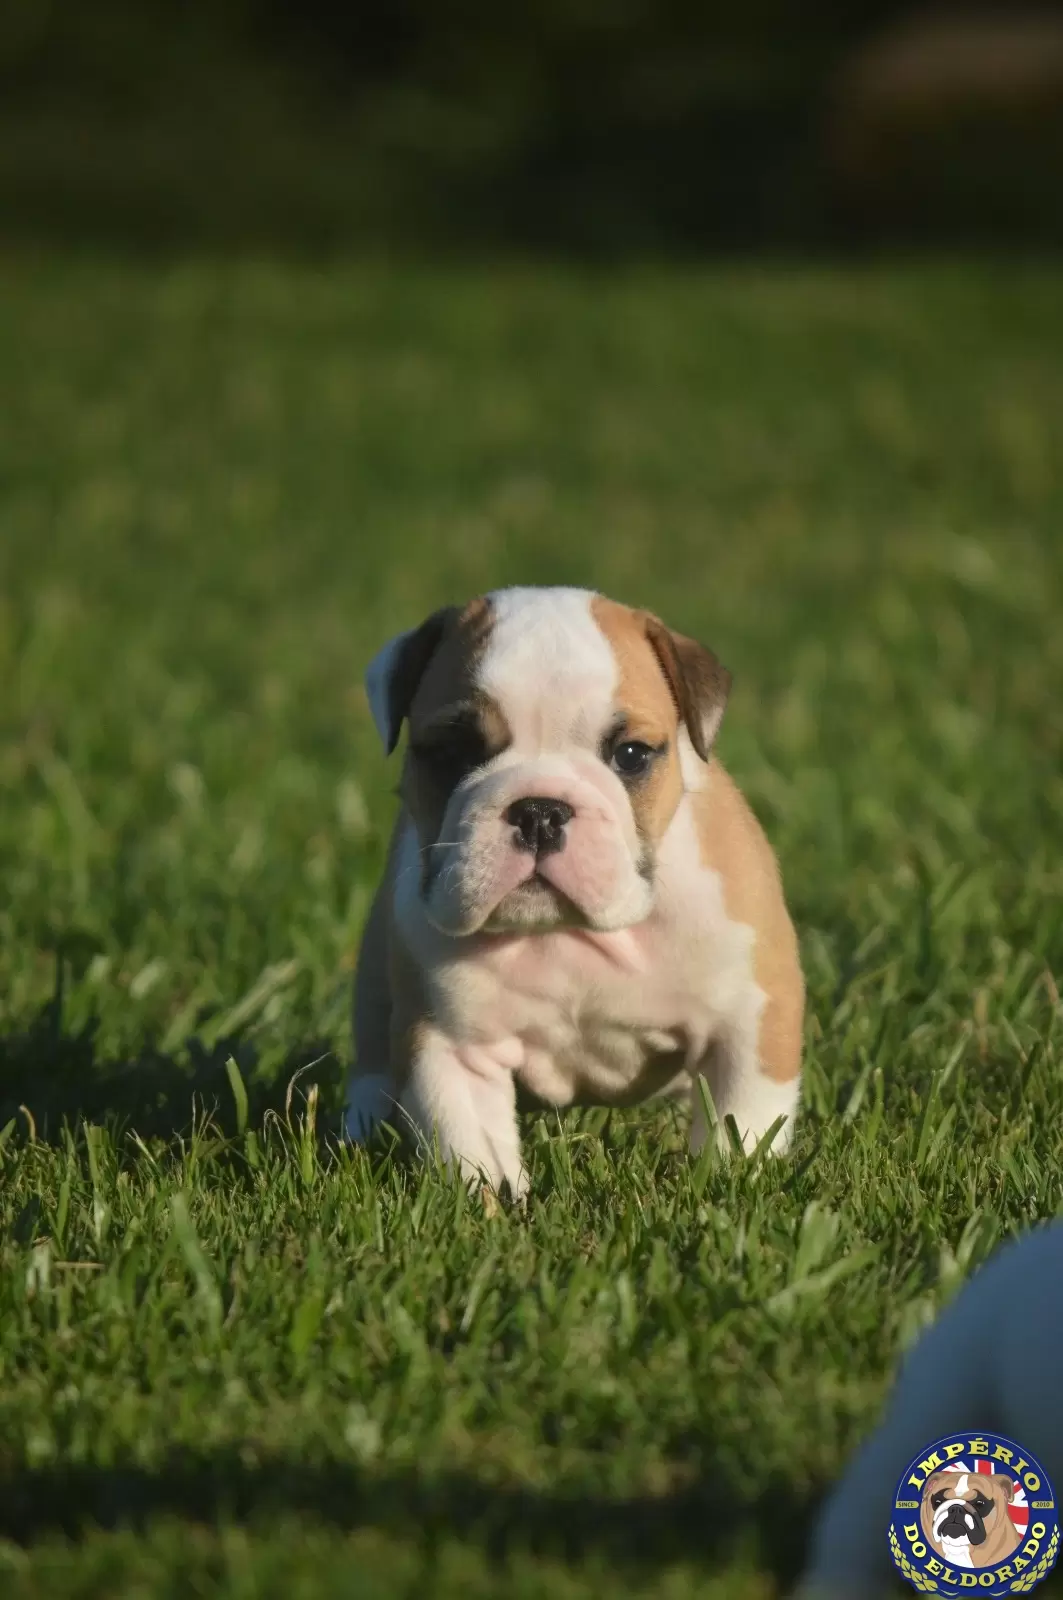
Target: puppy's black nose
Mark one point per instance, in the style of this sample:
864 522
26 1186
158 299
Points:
539 824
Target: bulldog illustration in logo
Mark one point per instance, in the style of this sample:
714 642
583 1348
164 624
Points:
970 1517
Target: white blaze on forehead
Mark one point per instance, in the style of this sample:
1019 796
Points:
961 1486
548 665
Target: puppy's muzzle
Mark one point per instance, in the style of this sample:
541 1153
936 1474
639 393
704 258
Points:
961 1521
539 825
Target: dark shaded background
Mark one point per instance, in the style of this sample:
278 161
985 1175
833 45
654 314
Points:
594 126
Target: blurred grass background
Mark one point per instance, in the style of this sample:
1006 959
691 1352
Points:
645 127
311 320
223 487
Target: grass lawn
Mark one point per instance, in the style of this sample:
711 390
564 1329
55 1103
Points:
236 1360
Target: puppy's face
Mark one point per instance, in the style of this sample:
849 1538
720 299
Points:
965 1508
548 734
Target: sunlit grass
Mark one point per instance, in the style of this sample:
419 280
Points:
237 1359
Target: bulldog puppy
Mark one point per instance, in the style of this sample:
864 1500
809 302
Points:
990 1362
965 1518
577 898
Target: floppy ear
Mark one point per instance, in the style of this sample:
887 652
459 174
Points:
699 683
1004 1485
392 676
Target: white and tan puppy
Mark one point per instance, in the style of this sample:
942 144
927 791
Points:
577 898
964 1517
991 1363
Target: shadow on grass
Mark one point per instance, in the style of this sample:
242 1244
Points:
60 1077
707 1524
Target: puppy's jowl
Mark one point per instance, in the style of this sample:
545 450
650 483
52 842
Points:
577 897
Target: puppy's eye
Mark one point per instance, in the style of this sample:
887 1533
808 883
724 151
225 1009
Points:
936 1499
631 758
981 1504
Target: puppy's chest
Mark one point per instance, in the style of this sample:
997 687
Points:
610 1017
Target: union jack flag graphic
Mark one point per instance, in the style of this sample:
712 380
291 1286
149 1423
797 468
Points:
1018 1510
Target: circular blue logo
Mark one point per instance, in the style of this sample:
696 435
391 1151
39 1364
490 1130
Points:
974 1514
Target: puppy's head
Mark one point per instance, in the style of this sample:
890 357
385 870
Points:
961 1507
551 732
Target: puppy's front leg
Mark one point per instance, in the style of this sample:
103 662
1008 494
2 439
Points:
741 1087
464 1101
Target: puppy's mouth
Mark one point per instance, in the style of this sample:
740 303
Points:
958 1522
534 905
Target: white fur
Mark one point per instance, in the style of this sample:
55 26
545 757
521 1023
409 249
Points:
551 669
739 1089
549 664
657 988
476 868
991 1362
577 1015
728 1054
464 1102
694 771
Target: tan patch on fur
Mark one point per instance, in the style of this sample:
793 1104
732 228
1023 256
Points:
646 701
733 844
699 682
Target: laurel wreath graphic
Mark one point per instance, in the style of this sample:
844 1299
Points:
1023 1585
1041 1570
917 1579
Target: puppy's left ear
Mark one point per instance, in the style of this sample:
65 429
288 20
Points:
392 676
1004 1485
698 681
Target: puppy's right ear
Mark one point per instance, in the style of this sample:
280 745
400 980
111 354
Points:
392 676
